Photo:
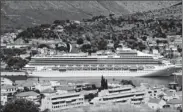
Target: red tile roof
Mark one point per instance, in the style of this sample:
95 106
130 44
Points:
169 93
154 100
174 101
48 91
26 94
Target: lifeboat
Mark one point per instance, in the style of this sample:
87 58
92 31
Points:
54 68
62 69
62 65
70 68
94 65
101 67
109 67
125 68
70 65
78 68
86 68
93 68
140 68
117 68
133 68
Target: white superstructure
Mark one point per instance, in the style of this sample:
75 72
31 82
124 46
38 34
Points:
124 62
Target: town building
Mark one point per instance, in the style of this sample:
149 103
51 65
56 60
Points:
126 94
179 94
153 91
174 103
4 99
3 65
155 103
3 45
5 81
8 89
170 94
27 84
58 101
7 92
48 91
30 95
175 40
42 85
55 83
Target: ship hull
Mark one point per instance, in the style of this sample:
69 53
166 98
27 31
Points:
82 73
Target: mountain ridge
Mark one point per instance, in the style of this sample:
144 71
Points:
23 14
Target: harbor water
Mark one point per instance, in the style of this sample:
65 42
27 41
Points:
96 80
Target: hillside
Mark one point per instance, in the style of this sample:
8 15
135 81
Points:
22 14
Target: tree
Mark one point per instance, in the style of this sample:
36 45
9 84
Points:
34 52
102 45
144 38
160 96
46 110
26 89
104 83
179 50
37 91
43 45
80 41
41 97
20 105
86 48
62 48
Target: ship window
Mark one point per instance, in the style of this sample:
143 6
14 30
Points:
140 95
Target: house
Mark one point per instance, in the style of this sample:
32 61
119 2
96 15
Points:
8 89
4 99
66 88
54 83
19 41
5 81
155 103
3 45
169 94
3 65
30 95
43 85
27 84
154 92
155 51
179 94
48 91
174 103
59 28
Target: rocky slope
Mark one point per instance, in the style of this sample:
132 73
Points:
21 14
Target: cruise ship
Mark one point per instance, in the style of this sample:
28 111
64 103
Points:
124 62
